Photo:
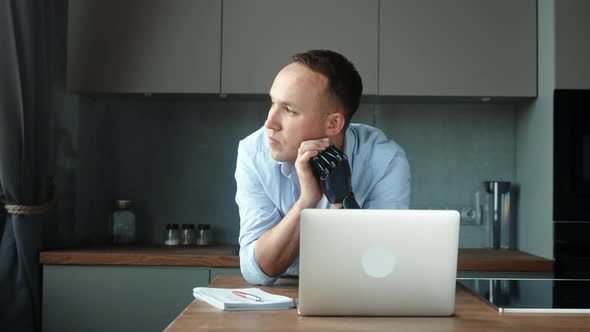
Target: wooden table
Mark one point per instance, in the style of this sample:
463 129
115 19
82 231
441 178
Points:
471 314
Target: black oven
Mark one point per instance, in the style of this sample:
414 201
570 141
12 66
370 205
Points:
571 183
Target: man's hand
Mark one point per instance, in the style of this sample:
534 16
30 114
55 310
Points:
311 193
332 170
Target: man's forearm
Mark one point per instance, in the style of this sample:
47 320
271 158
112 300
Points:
277 249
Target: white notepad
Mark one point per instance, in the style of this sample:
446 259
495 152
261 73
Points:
224 299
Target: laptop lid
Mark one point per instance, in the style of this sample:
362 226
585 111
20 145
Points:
378 262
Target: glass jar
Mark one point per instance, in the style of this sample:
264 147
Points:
188 234
123 222
172 235
204 235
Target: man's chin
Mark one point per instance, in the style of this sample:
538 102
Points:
280 157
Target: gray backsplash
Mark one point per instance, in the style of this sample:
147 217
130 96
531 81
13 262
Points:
175 157
452 149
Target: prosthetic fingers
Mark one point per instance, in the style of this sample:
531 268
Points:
332 170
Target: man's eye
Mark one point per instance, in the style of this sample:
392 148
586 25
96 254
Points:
289 111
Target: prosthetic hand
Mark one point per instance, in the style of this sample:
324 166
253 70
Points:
331 169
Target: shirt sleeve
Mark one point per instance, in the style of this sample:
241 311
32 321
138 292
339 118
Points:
258 214
392 191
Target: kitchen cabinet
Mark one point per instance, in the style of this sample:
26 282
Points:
116 298
144 46
400 47
457 48
259 37
572 48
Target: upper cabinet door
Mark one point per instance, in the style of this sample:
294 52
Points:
458 48
144 46
260 36
572 44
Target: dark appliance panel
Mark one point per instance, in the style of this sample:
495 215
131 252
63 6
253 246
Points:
571 183
571 155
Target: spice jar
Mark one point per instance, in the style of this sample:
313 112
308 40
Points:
204 236
187 236
123 222
172 235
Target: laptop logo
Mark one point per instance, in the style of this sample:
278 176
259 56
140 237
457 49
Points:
378 262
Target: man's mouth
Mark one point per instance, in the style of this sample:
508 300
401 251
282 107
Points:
273 141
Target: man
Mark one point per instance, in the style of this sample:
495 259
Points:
313 100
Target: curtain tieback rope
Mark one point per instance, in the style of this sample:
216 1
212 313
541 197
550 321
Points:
30 209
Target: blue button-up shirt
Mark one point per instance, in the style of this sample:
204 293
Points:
267 189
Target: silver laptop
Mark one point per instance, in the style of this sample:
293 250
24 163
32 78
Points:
378 262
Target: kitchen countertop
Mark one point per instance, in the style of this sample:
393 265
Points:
153 255
226 256
502 260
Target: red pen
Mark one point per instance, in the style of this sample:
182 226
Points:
247 296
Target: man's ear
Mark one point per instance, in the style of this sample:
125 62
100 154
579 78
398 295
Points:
335 123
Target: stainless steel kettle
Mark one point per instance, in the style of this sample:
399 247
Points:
501 216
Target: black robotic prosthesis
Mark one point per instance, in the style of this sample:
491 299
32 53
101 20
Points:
332 170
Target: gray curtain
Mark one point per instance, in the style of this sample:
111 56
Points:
24 92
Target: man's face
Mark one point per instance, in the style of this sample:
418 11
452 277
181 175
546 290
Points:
298 113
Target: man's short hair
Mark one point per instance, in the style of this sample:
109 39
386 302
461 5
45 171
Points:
344 81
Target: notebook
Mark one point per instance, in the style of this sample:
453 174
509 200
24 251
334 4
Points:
224 299
378 262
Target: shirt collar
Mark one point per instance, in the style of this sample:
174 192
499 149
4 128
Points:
286 167
350 142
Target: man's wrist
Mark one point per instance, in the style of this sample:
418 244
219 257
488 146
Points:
302 203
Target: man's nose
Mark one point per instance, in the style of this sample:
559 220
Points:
272 120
